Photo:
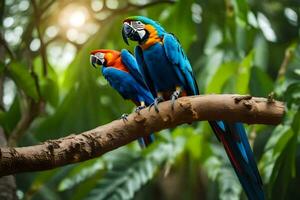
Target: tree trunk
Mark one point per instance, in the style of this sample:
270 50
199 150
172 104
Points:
7 183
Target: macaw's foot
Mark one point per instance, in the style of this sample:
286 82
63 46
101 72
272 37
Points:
138 109
174 96
124 117
156 102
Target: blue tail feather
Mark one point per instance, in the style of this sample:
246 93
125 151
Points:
146 140
234 138
240 128
149 139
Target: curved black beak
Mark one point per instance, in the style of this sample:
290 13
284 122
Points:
124 34
129 32
94 60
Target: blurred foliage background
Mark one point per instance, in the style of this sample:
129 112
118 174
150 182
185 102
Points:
48 90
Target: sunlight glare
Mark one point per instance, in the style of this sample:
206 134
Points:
74 16
77 18
72 34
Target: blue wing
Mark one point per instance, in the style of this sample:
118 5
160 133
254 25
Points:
138 52
178 58
129 88
130 62
127 85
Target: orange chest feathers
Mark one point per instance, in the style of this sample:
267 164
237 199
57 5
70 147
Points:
153 37
117 63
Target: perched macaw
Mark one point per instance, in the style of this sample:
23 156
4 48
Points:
122 72
169 75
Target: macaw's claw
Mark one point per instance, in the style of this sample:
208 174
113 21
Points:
174 96
138 109
155 103
124 117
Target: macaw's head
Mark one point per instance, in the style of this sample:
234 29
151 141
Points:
104 57
140 29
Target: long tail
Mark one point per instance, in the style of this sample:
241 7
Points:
233 137
146 141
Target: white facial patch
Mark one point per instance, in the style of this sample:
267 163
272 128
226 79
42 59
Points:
100 56
141 33
138 25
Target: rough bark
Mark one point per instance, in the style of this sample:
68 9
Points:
95 142
30 111
7 183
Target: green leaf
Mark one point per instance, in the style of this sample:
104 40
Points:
130 171
243 74
169 18
50 91
241 11
224 72
292 94
211 67
286 84
278 160
42 178
214 39
213 165
260 83
296 124
80 191
10 118
277 142
79 69
232 76
48 84
283 170
261 52
280 136
220 170
23 79
44 184
80 173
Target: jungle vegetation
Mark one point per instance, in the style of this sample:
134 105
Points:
48 90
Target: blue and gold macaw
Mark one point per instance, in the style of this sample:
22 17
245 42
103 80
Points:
122 72
169 75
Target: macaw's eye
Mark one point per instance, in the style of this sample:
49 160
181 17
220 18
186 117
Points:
138 25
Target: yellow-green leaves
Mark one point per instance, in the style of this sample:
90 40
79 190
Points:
23 79
233 73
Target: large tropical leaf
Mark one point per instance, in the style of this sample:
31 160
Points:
23 79
130 170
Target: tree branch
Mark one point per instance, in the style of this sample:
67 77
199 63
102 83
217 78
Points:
93 143
289 52
30 112
6 47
